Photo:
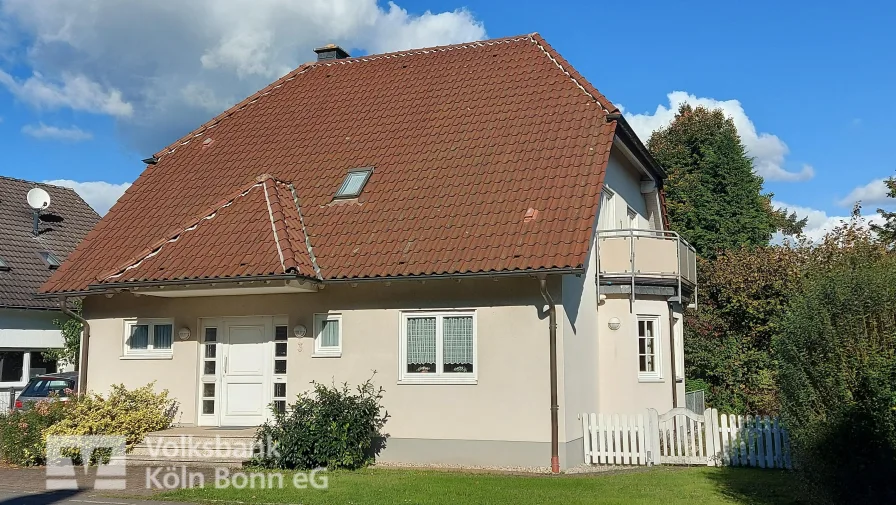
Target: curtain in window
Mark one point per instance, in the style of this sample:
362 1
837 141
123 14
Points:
457 340
139 337
421 340
162 336
329 333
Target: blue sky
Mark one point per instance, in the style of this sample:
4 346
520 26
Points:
89 88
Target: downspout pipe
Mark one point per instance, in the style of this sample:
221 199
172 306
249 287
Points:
85 344
555 407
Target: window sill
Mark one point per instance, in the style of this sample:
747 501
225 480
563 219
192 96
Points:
438 380
146 356
326 354
651 379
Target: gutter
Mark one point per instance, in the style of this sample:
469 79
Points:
85 344
555 407
99 289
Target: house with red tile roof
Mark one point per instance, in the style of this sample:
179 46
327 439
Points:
476 223
33 243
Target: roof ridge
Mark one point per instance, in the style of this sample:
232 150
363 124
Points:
16 179
314 264
278 220
239 106
157 246
574 75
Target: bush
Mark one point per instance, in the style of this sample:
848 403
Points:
330 426
21 432
837 377
131 413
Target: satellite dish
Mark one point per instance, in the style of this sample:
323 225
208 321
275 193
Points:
38 199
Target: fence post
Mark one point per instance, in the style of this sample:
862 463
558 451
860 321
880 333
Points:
12 398
652 438
711 419
586 438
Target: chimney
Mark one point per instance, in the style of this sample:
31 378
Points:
331 52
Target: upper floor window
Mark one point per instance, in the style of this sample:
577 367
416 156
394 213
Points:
649 363
632 218
607 211
152 337
438 347
354 183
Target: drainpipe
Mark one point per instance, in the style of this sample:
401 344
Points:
85 344
552 330
672 355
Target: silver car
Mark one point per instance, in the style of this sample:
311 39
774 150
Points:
40 387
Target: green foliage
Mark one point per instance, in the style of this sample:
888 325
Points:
21 432
887 231
71 328
713 197
837 370
331 426
131 413
743 294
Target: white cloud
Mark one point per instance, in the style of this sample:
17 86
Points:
820 222
768 150
73 91
163 67
873 193
42 131
98 194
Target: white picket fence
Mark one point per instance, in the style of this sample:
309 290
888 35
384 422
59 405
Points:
683 437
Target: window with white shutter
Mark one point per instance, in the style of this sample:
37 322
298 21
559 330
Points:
438 347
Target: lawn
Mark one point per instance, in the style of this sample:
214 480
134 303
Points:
667 485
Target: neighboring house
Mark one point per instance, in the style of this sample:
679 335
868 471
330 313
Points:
28 257
419 214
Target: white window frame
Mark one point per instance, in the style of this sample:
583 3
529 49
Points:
657 374
149 352
26 369
439 377
330 351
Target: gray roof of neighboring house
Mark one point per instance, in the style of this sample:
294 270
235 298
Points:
62 226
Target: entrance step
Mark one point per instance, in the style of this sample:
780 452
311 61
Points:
195 447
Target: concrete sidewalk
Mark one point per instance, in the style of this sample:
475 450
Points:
28 486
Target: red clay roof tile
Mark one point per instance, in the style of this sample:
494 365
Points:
464 139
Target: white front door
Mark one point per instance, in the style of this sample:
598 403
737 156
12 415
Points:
246 374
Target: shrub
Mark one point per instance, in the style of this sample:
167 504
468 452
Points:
21 432
837 377
330 426
131 413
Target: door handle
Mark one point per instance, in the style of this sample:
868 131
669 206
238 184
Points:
225 364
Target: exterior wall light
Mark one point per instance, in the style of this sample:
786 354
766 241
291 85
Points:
614 323
183 333
299 330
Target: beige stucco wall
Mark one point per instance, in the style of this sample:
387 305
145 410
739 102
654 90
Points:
510 401
620 389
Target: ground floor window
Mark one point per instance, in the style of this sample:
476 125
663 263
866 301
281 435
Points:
649 364
18 366
438 347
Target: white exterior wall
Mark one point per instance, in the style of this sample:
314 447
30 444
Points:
29 329
510 402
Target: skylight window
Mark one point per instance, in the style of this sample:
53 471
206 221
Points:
354 182
50 259
4 266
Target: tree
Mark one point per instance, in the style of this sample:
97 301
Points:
887 231
743 294
71 328
836 351
714 199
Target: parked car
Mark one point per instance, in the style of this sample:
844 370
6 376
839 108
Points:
41 387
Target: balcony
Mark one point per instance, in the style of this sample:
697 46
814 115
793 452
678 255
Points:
647 259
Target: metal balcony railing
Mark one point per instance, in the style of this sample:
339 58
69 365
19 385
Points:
647 256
